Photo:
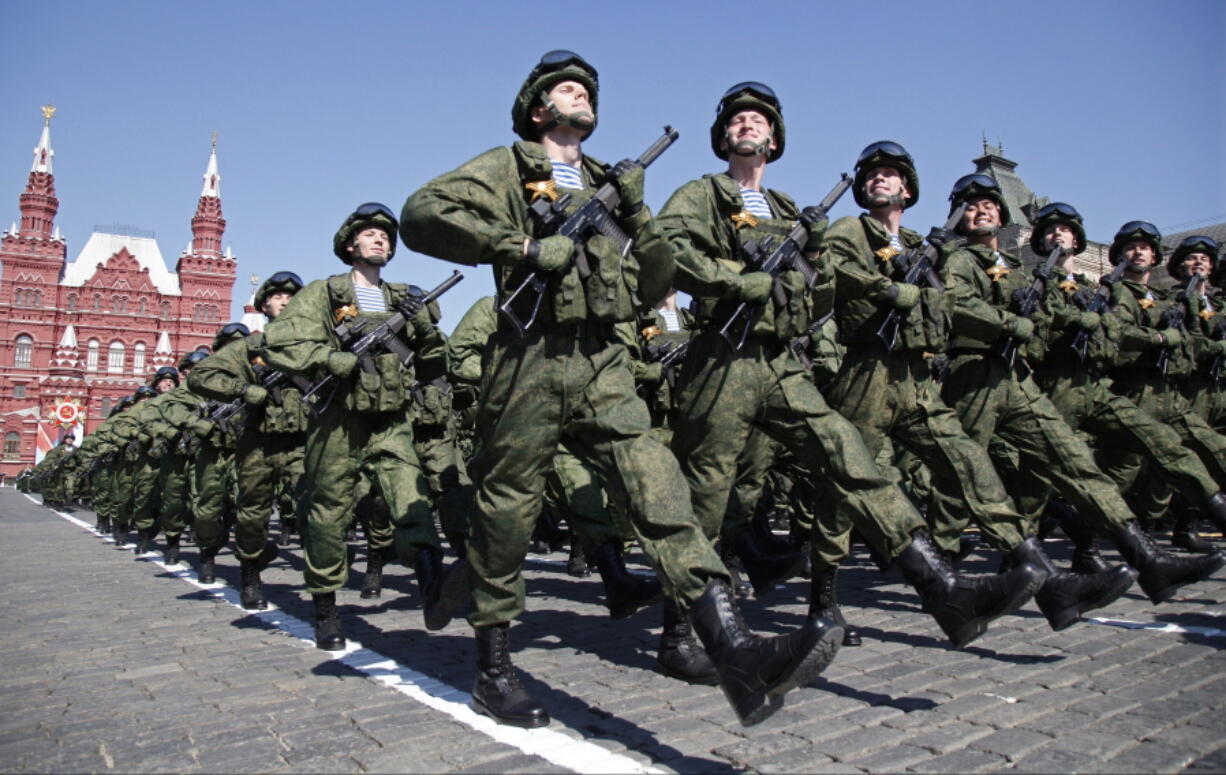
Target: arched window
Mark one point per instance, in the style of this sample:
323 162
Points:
165 310
106 406
97 302
38 298
91 355
144 305
12 445
114 358
23 353
72 302
138 359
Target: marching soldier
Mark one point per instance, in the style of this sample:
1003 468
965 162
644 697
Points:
365 424
174 436
567 378
146 498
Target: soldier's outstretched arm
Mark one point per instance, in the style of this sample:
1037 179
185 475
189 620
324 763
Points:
223 375
302 337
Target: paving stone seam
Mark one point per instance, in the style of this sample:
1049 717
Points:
548 744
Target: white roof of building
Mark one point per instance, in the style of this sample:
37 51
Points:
101 247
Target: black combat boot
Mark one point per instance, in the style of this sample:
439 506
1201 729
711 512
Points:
285 537
681 655
372 584
624 592
328 634
497 692
1162 573
444 592
963 606
1064 597
1186 535
576 564
207 572
103 526
143 536
1086 558
172 550
252 594
766 570
736 571
119 533
755 672
824 603
1215 512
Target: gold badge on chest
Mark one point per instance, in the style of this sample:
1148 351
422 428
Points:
1145 303
886 253
344 312
1069 286
996 272
651 332
1205 313
543 188
744 218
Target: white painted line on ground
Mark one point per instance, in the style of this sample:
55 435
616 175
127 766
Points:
551 745
1178 629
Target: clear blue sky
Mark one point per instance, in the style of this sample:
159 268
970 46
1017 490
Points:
1117 107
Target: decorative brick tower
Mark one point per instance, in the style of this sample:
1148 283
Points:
206 275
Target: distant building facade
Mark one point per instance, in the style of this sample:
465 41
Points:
90 331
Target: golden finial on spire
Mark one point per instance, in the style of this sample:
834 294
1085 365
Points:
255 279
214 142
48 112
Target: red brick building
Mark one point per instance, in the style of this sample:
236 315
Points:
94 329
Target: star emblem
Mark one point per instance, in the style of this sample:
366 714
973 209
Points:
886 253
345 312
651 332
1205 313
744 218
542 188
1069 286
1145 303
997 271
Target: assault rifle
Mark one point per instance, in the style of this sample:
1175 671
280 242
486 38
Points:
1097 304
800 345
1215 368
918 265
595 215
384 337
1173 317
272 381
763 256
1028 299
669 356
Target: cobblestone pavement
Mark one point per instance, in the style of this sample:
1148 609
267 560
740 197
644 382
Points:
125 665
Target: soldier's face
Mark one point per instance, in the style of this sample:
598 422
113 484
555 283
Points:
981 213
1197 264
747 131
571 99
1060 234
275 303
1139 254
165 384
370 245
883 185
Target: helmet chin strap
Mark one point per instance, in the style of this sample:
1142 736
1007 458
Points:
984 231
747 148
583 120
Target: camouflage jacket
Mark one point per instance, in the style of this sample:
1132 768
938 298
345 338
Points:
479 214
225 375
710 230
1140 309
858 249
982 296
302 337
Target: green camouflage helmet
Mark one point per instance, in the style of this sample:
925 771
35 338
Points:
143 392
885 153
230 332
977 185
166 372
1052 214
1197 243
748 95
364 217
281 282
191 359
1136 230
554 67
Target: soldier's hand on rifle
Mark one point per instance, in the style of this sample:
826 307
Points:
341 364
652 373
1020 328
755 287
904 295
629 176
1170 337
551 254
939 236
254 394
1089 321
411 305
816 225
202 427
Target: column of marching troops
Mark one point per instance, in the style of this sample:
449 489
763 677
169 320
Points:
858 376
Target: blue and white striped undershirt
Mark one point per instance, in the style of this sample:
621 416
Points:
369 299
895 242
671 323
756 203
567 175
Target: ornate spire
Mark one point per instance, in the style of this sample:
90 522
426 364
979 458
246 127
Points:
67 358
39 203
208 225
163 355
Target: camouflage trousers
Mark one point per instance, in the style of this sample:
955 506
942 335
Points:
214 496
451 490
121 489
269 471
173 486
100 485
724 396
340 447
572 385
1208 399
145 495
995 400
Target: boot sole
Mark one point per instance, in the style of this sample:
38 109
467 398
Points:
330 646
451 598
1166 593
689 678
529 723
820 655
